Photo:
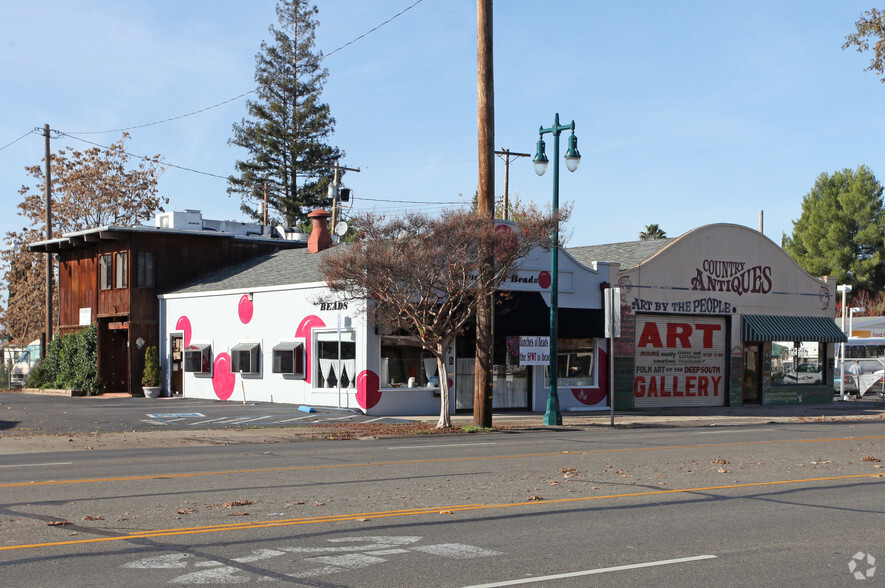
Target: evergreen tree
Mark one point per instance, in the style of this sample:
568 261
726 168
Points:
288 125
840 230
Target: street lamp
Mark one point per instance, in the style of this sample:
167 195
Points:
552 416
845 289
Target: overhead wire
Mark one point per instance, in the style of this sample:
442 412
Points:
159 122
17 140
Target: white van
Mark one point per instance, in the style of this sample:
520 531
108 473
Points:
23 365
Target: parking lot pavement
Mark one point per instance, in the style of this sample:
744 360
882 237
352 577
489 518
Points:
34 414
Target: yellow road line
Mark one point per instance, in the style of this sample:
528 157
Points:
411 512
422 461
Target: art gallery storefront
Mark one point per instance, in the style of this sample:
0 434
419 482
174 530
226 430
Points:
721 316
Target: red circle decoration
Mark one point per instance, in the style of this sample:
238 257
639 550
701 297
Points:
304 328
589 396
223 379
245 309
368 389
184 324
544 279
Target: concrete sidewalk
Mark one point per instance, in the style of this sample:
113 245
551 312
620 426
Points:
871 407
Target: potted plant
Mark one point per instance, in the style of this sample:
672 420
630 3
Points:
150 380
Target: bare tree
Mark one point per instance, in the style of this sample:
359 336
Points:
420 275
91 188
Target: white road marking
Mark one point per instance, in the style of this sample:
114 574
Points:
209 421
242 420
449 445
456 550
161 562
647 564
34 465
350 561
296 419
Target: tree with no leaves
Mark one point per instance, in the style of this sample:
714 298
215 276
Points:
419 275
652 231
90 188
870 26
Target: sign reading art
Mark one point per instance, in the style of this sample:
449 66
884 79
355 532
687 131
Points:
679 361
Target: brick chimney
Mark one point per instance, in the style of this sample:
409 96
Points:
320 238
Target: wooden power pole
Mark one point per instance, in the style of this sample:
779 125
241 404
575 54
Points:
482 381
507 154
48 190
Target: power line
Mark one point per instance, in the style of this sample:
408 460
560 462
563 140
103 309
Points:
16 141
371 31
159 122
163 163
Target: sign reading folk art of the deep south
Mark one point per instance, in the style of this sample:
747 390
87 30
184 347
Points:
679 358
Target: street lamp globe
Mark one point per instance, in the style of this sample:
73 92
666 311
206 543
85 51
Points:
540 160
572 157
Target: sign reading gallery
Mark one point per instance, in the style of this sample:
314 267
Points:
679 361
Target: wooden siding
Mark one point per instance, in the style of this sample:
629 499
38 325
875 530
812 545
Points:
178 260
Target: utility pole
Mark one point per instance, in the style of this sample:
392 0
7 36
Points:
48 190
334 191
482 379
507 153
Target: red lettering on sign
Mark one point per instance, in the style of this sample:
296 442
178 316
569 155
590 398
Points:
650 336
639 386
678 332
708 334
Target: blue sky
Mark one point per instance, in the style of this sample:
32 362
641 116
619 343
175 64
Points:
687 112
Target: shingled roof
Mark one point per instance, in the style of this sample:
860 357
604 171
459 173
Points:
628 254
280 268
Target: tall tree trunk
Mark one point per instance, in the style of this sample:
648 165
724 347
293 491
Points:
445 404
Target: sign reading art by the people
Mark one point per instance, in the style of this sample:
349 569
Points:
679 361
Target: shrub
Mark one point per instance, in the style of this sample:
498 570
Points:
151 376
71 363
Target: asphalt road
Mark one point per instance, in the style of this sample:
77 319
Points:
24 414
776 504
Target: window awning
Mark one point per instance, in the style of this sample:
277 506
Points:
765 327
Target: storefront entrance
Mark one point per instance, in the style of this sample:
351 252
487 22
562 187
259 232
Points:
752 391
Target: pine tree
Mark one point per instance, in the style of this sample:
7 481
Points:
288 125
839 233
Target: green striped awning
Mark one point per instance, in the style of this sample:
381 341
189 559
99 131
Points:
766 327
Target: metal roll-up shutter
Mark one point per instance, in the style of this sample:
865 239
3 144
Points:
680 361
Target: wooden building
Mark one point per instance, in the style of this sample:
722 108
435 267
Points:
112 275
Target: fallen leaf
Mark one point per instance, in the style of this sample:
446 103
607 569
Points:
445 512
535 497
870 458
319 503
720 461
723 471
237 514
93 518
57 523
185 511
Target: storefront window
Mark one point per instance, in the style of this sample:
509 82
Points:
797 363
575 364
403 364
332 366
